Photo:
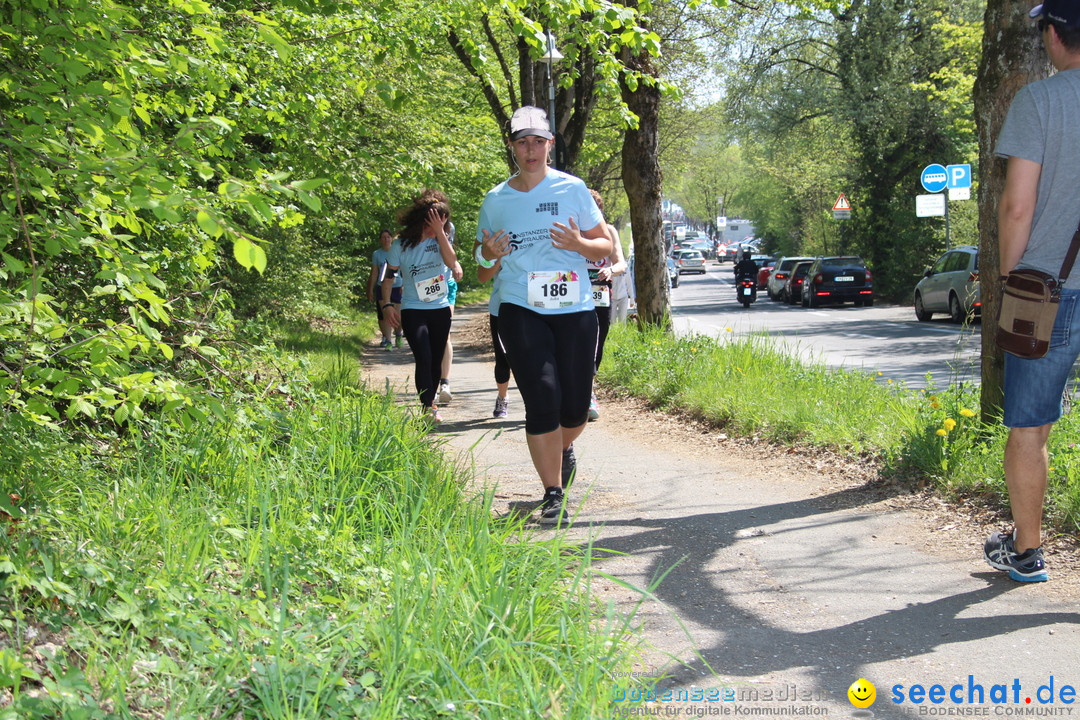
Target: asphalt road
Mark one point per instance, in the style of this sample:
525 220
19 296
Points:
885 339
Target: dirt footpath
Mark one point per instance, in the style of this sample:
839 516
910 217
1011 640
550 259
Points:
787 575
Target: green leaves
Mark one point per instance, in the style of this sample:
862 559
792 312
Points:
270 37
249 254
208 224
118 132
13 671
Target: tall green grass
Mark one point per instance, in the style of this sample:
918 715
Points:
748 386
315 558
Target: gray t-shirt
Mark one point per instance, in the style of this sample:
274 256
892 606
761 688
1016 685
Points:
1043 125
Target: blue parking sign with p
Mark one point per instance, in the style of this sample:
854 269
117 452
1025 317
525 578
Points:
959 176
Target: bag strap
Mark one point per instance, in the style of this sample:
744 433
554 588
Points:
1070 257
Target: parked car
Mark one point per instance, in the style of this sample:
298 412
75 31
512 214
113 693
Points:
689 261
764 273
791 291
672 273
951 286
779 276
837 280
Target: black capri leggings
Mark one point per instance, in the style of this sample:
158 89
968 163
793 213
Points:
552 358
427 332
603 319
502 365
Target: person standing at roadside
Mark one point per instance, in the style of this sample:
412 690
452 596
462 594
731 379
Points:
1037 217
424 255
378 272
543 227
601 274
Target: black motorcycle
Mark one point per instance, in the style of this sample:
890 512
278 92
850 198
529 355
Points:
746 289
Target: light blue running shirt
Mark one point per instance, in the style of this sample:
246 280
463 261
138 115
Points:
535 274
424 274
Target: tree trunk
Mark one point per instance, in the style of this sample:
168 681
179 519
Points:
1012 56
642 180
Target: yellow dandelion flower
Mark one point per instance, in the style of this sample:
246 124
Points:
967 413
933 397
655 342
693 349
889 381
949 424
935 405
728 330
942 432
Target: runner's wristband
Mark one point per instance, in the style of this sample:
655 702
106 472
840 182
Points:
387 305
481 260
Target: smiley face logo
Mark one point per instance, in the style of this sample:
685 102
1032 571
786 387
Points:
862 693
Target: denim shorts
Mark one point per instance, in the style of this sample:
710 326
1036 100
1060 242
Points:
1033 388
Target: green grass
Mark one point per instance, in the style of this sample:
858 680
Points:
747 386
310 555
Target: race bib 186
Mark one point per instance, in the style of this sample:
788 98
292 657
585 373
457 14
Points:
553 289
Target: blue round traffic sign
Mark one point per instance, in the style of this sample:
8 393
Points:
934 178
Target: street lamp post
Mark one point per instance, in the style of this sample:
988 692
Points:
549 59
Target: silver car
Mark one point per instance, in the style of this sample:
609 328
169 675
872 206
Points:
951 286
689 261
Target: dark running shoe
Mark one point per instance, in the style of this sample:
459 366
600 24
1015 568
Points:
553 509
569 467
1028 566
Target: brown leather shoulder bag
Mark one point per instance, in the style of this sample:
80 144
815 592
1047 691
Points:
1029 305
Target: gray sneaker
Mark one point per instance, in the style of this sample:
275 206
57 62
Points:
1028 566
445 396
502 407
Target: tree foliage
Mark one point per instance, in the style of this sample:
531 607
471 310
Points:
157 153
853 97
173 165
